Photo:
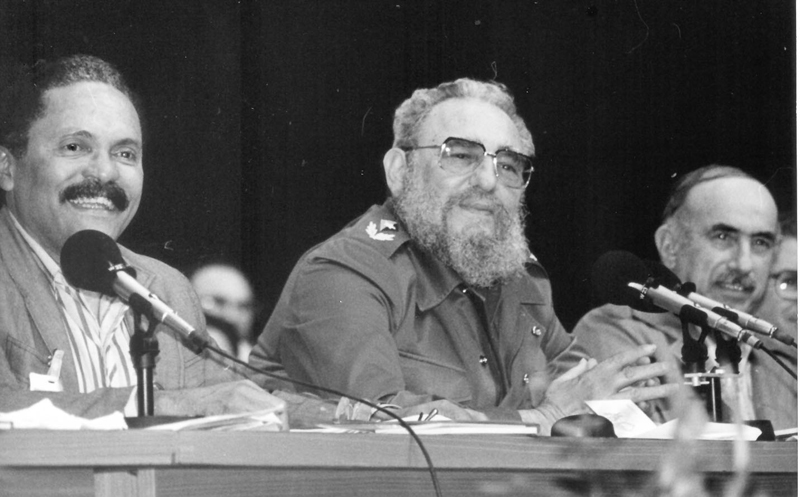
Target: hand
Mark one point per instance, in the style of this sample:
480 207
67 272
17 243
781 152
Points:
646 406
224 398
626 375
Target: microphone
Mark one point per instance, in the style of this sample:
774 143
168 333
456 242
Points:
741 318
624 279
611 274
91 260
686 309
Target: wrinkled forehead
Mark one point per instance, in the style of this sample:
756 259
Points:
741 203
91 108
474 120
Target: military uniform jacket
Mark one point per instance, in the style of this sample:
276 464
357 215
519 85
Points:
369 313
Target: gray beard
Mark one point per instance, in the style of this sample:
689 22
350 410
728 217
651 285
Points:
480 259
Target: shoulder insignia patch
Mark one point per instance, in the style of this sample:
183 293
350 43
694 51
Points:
372 230
387 225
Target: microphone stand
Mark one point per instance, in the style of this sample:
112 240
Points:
694 355
144 349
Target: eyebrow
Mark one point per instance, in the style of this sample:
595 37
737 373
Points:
730 229
89 136
505 147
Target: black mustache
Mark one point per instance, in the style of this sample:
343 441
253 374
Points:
92 188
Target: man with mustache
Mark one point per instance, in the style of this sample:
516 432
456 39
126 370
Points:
71 159
719 231
433 297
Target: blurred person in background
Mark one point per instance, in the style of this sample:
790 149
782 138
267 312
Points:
229 305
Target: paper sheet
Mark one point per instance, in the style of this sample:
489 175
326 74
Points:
44 415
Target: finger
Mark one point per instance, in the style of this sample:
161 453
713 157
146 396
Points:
628 357
643 394
632 375
576 371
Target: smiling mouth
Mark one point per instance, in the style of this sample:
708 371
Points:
93 203
91 194
735 287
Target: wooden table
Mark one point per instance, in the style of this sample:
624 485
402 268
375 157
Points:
146 463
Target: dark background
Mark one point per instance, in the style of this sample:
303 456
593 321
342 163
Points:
266 122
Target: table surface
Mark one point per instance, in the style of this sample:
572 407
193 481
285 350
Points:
206 463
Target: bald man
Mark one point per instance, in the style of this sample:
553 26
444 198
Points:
719 230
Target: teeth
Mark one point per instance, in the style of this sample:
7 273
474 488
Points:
94 203
732 286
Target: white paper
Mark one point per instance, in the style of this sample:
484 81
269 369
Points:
631 422
44 415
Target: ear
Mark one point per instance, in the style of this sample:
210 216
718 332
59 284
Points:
667 244
8 165
395 167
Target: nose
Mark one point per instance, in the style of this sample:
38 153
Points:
743 256
102 166
485 175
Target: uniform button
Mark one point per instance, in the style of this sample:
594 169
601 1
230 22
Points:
483 360
526 379
536 331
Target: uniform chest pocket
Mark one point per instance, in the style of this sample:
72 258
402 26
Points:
426 375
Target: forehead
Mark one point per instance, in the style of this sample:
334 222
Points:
741 203
471 119
90 106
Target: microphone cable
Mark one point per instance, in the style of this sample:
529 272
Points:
779 361
202 343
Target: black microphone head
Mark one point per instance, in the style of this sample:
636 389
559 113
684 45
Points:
611 274
90 260
662 275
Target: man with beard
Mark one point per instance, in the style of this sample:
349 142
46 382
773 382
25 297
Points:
71 159
434 298
719 230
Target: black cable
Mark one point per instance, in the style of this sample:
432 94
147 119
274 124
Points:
780 362
202 344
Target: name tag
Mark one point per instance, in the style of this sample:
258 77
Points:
50 382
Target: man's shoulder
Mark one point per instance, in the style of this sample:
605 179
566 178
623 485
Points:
624 317
374 237
149 270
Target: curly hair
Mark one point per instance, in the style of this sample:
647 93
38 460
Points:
410 114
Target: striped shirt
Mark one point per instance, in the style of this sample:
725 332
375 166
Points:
96 328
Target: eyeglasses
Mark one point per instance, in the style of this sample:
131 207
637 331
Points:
786 284
461 157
